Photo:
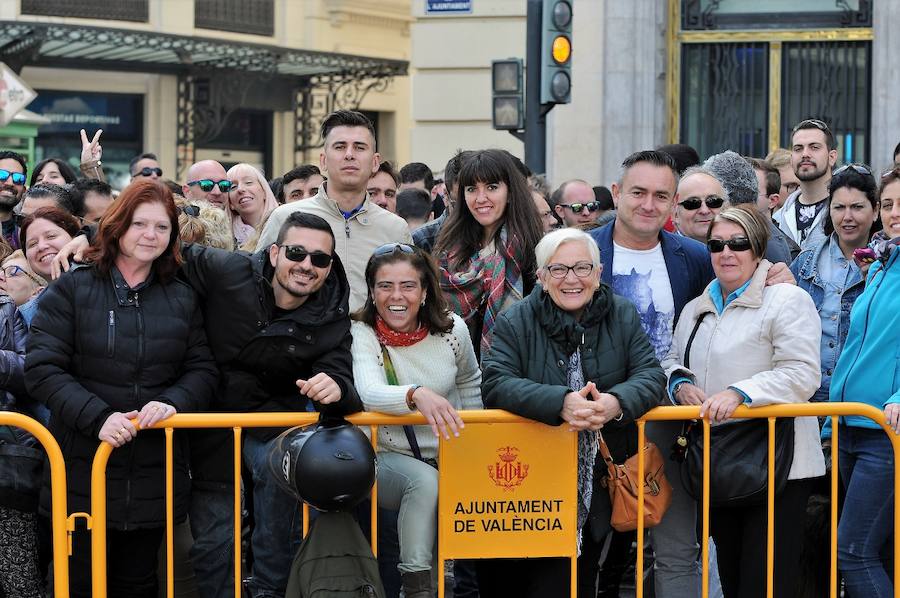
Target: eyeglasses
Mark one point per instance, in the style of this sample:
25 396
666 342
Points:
14 270
736 244
581 270
391 248
592 206
858 168
17 177
297 253
206 185
147 171
190 210
713 202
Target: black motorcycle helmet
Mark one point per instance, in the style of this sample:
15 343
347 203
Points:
330 464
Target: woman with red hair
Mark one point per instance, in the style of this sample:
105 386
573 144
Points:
116 347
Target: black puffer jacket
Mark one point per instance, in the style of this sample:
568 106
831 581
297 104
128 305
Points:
97 347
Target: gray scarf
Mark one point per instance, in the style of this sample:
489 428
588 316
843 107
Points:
587 448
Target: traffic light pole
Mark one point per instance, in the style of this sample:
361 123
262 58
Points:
535 123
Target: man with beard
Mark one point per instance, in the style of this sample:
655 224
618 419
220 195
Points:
12 186
278 325
813 154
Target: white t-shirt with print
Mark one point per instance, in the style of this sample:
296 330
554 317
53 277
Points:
640 275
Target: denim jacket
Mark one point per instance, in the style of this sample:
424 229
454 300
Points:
806 269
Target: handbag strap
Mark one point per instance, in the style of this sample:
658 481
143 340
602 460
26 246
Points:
607 457
391 376
687 348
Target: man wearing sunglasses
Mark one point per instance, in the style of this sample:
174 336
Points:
12 186
700 197
207 181
574 202
145 166
813 155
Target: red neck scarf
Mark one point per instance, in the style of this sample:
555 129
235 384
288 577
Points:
389 337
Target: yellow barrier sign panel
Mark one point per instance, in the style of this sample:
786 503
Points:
508 490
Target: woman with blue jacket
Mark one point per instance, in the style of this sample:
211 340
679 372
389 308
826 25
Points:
868 371
828 272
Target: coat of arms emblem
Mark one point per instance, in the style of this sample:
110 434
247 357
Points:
508 472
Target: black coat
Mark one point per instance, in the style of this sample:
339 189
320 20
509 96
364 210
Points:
97 347
525 370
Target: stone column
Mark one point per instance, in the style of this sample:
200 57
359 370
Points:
885 126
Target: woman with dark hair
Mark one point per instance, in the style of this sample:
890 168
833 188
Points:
486 247
411 354
116 347
828 271
42 234
52 170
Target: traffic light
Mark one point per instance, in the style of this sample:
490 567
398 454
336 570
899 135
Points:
556 52
508 105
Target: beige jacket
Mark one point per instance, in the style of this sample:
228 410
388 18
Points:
355 239
766 344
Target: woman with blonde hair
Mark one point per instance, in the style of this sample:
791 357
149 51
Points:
250 201
202 222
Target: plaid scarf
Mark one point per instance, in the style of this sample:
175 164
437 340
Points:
491 281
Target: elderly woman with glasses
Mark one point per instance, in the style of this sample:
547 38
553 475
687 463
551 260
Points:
756 345
410 353
570 353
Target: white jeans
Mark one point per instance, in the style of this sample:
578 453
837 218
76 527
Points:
410 486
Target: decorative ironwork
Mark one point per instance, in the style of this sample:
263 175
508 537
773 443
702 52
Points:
706 15
120 10
324 94
724 98
242 16
830 81
78 46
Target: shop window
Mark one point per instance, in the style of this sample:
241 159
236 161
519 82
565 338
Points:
774 14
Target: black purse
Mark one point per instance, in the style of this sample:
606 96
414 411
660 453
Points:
738 456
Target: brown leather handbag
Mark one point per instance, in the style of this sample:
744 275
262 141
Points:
623 485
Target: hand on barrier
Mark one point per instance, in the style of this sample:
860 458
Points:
581 411
892 413
320 388
690 394
721 405
780 273
438 411
154 412
71 251
118 429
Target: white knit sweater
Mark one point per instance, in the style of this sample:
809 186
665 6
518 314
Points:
444 363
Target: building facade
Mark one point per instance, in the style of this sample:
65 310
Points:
233 80
717 74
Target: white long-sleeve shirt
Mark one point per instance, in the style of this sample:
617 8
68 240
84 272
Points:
443 362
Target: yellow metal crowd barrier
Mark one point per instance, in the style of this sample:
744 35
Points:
61 523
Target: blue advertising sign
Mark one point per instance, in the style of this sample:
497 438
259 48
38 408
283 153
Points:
119 115
447 6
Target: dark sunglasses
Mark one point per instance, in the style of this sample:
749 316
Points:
578 208
147 171
712 202
17 177
190 210
297 253
719 245
858 168
206 185
811 121
391 248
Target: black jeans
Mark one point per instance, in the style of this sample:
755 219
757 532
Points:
740 536
131 563
523 578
